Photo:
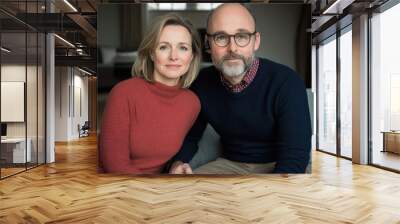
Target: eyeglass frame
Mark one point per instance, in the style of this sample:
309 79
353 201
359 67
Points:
231 35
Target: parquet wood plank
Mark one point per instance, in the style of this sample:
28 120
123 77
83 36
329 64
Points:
71 191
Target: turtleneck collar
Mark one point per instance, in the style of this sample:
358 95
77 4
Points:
164 90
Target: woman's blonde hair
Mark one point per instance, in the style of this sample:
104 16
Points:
144 66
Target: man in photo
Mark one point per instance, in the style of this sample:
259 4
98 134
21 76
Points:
258 107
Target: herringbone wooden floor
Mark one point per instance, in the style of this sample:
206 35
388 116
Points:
71 191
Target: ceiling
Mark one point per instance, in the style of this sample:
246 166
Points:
73 20
76 22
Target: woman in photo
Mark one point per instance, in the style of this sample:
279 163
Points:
148 116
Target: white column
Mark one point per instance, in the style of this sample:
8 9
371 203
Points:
360 90
50 93
50 100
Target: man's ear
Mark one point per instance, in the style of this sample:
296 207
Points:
257 41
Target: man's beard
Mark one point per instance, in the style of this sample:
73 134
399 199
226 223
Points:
234 70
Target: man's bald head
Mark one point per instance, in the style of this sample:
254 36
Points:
227 12
232 59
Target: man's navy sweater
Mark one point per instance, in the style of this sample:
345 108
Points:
268 121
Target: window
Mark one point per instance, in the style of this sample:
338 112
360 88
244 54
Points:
207 6
182 6
346 93
385 85
327 96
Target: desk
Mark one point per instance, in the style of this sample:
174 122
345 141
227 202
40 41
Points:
16 147
391 141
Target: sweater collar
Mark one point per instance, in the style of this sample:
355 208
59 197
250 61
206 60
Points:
164 90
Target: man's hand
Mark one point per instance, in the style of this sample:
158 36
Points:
178 167
187 168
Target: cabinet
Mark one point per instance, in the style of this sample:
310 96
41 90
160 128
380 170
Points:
13 150
391 141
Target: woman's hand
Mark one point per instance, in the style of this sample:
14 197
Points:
178 167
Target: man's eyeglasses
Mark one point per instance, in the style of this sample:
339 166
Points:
223 39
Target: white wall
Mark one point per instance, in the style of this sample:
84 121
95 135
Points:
61 103
12 73
70 83
80 83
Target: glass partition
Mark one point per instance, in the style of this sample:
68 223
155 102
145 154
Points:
22 88
14 152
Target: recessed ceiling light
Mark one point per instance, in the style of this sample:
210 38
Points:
5 49
64 40
84 71
337 7
70 5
